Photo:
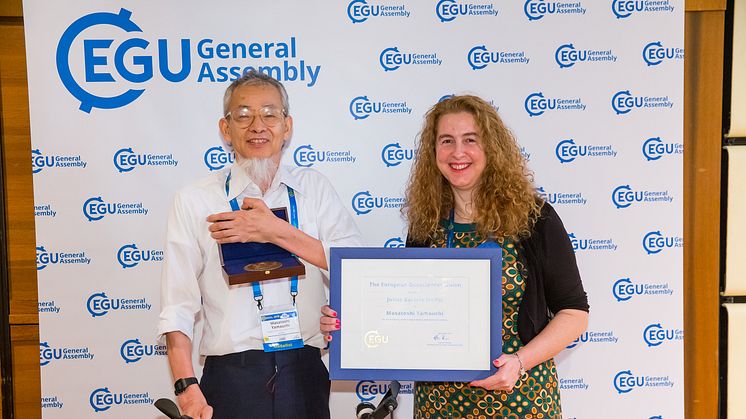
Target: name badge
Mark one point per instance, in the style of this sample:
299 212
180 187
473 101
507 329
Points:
281 329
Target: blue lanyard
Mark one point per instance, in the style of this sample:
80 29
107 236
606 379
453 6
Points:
256 288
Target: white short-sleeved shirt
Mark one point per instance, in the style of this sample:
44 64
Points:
193 279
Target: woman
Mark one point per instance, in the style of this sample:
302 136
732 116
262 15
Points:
469 187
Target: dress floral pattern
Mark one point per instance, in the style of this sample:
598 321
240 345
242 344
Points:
536 396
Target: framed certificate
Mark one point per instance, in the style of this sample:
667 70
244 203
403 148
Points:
420 314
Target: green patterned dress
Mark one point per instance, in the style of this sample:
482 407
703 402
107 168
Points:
537 393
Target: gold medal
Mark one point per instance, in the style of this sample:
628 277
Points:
262 266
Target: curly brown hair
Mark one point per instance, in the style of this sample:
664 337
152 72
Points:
505 200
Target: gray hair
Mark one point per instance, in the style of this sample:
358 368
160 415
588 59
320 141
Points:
256 78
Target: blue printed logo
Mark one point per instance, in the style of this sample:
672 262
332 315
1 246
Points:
624 289
655 53
654 148
367 390
654 242
604 336
536 104
567 56
44 210
623 9
479 57
99 304
102 399
49 306
537 9
51 402
359 11
133 62
562 198
623 102
45 258
448 10
573 384
581 244
394 242
655 334
125 160
130 256
48 354
567 151
132 350
626 381
39 161
216 158
393 154
525 153
363 202
96 208
306 156
623 196
361 108
391 59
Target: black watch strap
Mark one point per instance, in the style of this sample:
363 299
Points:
182 383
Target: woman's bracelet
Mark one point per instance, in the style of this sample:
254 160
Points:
520 362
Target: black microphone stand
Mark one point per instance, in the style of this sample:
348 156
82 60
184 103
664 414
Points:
387 405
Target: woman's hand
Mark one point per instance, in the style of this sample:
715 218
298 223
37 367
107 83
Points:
328 322
506 377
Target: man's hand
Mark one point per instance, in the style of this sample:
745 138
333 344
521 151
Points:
193 403
254 223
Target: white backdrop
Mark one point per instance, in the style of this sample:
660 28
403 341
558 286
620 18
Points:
125 99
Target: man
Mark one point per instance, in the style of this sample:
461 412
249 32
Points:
240 379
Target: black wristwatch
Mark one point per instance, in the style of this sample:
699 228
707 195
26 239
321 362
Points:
182 383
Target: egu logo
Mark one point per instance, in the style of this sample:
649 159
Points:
588 336
623 196
448 10
359 11
654 334
132 350
363 202
624 289
536 104
579 244
537 9
623 9
47 354
562 198
391 59
102 399
394 242
91 61
367 390
567 55
361 107
373 339
654 53
567 151
393 154
306 156
99 304
216 158
623 102
625 381
130 256
479 57
96 208
125 160
45 258
39 161
654 148
654 242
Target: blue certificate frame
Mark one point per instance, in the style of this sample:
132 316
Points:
424 257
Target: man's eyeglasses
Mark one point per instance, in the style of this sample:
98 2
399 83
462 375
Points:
243 116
